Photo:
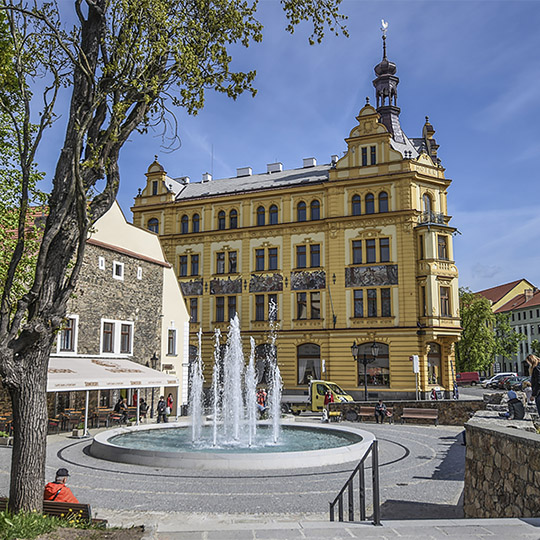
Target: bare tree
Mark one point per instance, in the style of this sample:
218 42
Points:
122 65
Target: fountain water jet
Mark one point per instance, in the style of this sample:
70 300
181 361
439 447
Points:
223 445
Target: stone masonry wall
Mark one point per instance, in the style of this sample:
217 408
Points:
502 469
98 295
451 412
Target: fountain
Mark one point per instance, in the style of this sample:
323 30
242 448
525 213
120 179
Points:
232 438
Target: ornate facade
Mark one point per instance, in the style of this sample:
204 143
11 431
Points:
357 250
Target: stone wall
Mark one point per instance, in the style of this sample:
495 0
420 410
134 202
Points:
451 412
502 468
98 295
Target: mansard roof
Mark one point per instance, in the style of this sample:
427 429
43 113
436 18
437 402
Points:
255 182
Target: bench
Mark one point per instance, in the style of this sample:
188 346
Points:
64 510
369 412
420 414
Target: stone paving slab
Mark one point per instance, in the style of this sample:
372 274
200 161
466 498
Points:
464 529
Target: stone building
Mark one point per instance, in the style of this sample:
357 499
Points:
358 250
127 305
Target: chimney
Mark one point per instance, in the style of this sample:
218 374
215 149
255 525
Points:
528 293
274 167
206 177
244 171
184 180
310 162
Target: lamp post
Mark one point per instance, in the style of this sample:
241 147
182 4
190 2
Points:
154 360
355 351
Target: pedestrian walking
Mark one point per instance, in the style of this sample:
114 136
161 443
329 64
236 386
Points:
170 402
534 371
161 410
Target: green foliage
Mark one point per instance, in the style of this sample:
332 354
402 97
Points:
485 334
535 347
4 434
475 349
31 525
507 340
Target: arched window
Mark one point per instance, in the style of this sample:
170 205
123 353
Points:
378 367
383 201
195 222
184 225
308 358
427 203
356 205
261 216
153 225
434 363
301 211
221 220
273 215
315 210
233 219
370 203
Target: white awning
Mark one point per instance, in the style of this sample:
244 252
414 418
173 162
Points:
67 374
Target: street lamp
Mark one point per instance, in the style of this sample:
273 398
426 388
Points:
154 359
355 351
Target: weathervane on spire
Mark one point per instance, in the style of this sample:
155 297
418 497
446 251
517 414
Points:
384 29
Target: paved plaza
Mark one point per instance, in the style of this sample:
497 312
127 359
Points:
421 477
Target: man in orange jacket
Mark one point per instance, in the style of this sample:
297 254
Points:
57 490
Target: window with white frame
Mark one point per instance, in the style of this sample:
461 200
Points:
101 263
118 270
67 336
116 337
171 342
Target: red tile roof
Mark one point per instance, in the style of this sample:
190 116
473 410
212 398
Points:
496 293
521 302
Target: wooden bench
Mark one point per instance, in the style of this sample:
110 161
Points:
420 414
65 511
369 412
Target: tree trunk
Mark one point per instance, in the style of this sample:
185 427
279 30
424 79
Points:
29 402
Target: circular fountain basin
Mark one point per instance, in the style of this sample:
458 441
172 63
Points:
169 445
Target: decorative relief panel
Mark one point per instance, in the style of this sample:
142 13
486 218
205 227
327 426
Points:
265 283
301 281
371 276
192 288
226 286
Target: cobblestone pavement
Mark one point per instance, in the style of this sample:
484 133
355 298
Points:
421 475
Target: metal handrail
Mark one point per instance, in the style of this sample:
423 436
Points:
349 487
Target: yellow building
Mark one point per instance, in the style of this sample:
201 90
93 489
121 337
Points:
357 250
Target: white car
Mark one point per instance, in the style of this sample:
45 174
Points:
487 383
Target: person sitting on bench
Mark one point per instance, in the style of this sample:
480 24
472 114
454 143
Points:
380 411
57 490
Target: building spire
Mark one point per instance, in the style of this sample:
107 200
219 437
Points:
386 91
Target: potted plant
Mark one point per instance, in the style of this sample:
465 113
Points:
78 431
5 438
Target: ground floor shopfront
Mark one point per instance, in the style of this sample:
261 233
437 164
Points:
383 358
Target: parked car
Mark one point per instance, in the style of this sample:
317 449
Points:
488 383
515 383
468 377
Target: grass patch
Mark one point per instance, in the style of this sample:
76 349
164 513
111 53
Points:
30 525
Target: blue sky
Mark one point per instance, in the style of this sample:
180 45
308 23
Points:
471 66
